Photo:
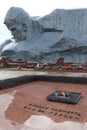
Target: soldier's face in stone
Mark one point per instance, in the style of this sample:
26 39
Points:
18 31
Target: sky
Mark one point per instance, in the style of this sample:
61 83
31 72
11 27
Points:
35 8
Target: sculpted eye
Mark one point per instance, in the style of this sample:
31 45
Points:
13 29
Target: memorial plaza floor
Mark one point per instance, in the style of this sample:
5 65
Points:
20 102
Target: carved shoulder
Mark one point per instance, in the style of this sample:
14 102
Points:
3 44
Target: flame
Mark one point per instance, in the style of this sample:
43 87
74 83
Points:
63 93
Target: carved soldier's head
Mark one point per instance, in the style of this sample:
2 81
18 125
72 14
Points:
18 22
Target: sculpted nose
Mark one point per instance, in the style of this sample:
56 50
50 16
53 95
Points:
13 31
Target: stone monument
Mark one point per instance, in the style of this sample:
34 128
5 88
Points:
62 33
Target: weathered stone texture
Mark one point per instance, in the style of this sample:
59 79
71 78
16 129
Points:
62 33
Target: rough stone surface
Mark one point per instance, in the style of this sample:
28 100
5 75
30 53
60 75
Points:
62 33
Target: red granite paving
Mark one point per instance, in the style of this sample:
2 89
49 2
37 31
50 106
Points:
30 99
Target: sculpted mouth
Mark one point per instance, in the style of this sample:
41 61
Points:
16 37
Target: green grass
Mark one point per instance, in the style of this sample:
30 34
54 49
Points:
16 69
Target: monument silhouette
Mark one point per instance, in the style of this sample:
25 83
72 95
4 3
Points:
62 33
